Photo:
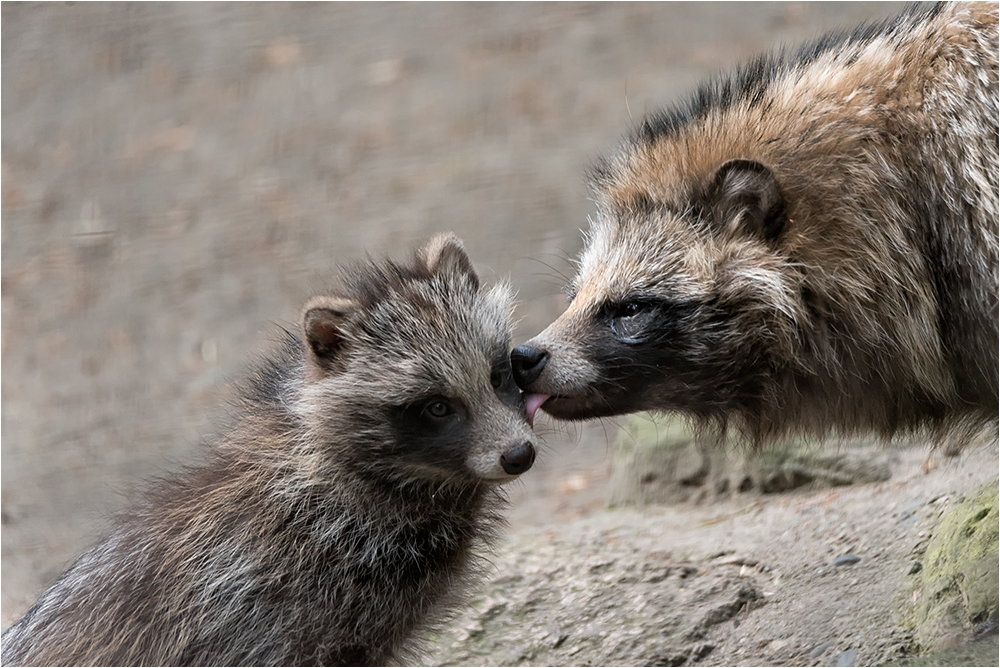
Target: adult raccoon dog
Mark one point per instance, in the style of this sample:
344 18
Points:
808 244
344 510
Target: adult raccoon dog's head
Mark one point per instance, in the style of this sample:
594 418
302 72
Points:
681 302
408 367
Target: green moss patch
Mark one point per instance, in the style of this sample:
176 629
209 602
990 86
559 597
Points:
959 580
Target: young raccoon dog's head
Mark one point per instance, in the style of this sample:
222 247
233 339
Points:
408 373
680 303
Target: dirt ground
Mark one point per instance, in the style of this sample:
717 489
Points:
812 577
178 178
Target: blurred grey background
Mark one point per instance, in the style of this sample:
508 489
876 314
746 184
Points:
178 178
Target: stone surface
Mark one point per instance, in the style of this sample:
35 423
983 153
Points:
740 581
960 575
660 460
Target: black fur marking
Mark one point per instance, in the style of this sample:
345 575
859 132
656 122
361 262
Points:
677 346
426 441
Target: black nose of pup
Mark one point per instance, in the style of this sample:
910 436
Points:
518 459
528 363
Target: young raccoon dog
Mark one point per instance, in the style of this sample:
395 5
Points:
344 511
809 244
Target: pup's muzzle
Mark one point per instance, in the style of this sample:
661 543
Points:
518 459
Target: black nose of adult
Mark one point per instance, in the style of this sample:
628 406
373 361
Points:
528 363
518 459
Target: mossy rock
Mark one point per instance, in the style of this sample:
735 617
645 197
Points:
798 462
660 460
959 579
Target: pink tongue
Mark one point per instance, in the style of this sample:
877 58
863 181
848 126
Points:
532 402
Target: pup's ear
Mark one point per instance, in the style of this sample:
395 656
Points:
745 195
323 321
445 254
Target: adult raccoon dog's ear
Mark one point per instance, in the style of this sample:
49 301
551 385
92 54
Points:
323 321
446 254
744 195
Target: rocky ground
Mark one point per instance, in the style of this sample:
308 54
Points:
178 178
821 575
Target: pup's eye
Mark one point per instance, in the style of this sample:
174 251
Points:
438 409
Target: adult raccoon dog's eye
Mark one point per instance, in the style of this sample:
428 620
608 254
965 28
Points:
630 321
438 409
629 310
496 379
